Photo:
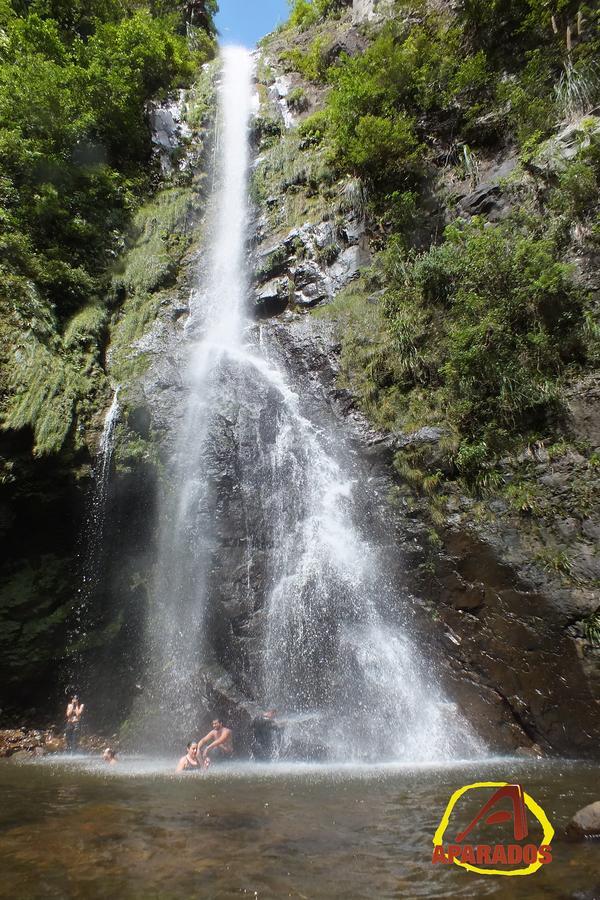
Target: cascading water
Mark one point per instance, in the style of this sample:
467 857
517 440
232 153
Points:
93 535
345 678
177 644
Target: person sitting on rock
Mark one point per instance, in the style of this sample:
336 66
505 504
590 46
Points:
220 744
73 715
189 762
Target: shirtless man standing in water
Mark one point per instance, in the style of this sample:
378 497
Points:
220 743
73 716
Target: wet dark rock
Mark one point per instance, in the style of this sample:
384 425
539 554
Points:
462 594
585 562
532 752
591 530
276 290
583 402
591 894
489 200
585 823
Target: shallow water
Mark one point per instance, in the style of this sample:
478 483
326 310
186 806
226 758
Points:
72 827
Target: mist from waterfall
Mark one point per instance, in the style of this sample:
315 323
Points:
347 680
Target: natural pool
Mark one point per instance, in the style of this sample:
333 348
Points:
74 828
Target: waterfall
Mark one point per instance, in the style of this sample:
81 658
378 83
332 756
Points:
176 642
262 496
93 533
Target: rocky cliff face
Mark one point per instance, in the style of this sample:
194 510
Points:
488 593
502 630
496 596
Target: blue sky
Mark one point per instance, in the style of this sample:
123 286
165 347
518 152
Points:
245 21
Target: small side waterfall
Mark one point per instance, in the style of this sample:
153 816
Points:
263 489
93 535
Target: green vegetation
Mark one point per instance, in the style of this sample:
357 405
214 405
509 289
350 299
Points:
311 63
297 99
491 71
591 629
476 327
305 13
76 160
556 562
474 333
506 319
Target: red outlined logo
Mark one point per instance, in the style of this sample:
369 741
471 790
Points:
525 857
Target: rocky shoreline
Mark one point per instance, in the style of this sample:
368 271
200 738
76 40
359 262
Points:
23 742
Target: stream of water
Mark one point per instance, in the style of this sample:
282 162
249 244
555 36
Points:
94 529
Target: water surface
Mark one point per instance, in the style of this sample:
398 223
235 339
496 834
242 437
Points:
75 828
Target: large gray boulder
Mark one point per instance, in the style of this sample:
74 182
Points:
585 823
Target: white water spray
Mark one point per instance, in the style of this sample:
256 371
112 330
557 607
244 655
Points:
177 643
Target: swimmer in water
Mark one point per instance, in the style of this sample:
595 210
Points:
110 756
189 762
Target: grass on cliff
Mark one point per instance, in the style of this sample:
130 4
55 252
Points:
161 234
476 333
478 74
300 173
480 330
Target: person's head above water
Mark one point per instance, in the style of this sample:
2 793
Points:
109 755
192 748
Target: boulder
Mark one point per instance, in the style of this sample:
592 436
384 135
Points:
370 10
21 756
585 823
363 10
532 752
274 295
556 153
583 401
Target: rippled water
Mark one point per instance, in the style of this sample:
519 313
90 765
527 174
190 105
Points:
75 828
